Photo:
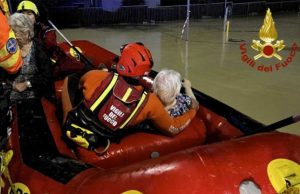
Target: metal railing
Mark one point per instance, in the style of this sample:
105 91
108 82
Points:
94 16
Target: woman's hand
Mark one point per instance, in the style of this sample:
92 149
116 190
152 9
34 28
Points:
186 83
195 104
20 87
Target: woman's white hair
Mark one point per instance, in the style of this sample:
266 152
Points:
21 23
167 85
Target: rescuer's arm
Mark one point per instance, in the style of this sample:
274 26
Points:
188 88
50 39
90 80
161 119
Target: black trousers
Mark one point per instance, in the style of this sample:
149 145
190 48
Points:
75 94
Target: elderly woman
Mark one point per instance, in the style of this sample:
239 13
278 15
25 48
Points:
167 85
34 79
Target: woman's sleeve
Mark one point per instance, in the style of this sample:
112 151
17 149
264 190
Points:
163 121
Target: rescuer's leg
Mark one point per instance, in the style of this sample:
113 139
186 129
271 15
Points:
71 94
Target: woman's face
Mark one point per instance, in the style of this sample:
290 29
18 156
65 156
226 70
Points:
22 37
30 15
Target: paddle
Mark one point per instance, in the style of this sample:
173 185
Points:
279 124
88 65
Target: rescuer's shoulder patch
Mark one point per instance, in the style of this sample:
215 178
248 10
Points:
11 45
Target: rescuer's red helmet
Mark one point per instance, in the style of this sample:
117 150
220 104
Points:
135 60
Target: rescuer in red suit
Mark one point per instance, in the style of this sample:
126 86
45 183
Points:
42 32
64 64
106 115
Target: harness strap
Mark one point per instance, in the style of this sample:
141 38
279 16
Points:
82 130
103 151
87 117
84 137
135 110
80 136
127 94
105 92
89 110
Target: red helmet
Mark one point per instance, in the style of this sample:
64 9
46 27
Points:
135 60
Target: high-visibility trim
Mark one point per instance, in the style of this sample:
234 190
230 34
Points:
80 140
10 59
83 129
11 62
135 110
5 8
128 92
53 60
3 50
18 63
104 94
4 58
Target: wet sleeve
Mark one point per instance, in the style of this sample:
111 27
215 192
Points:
161 119
50 39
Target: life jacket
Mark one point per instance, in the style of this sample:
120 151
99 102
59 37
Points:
106 115
10 56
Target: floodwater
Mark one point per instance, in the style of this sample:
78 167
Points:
215 67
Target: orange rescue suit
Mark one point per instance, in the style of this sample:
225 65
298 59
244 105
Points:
153 110
10 56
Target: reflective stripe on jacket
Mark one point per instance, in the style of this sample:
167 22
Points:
10 56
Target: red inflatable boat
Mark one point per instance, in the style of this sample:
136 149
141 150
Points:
221 151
